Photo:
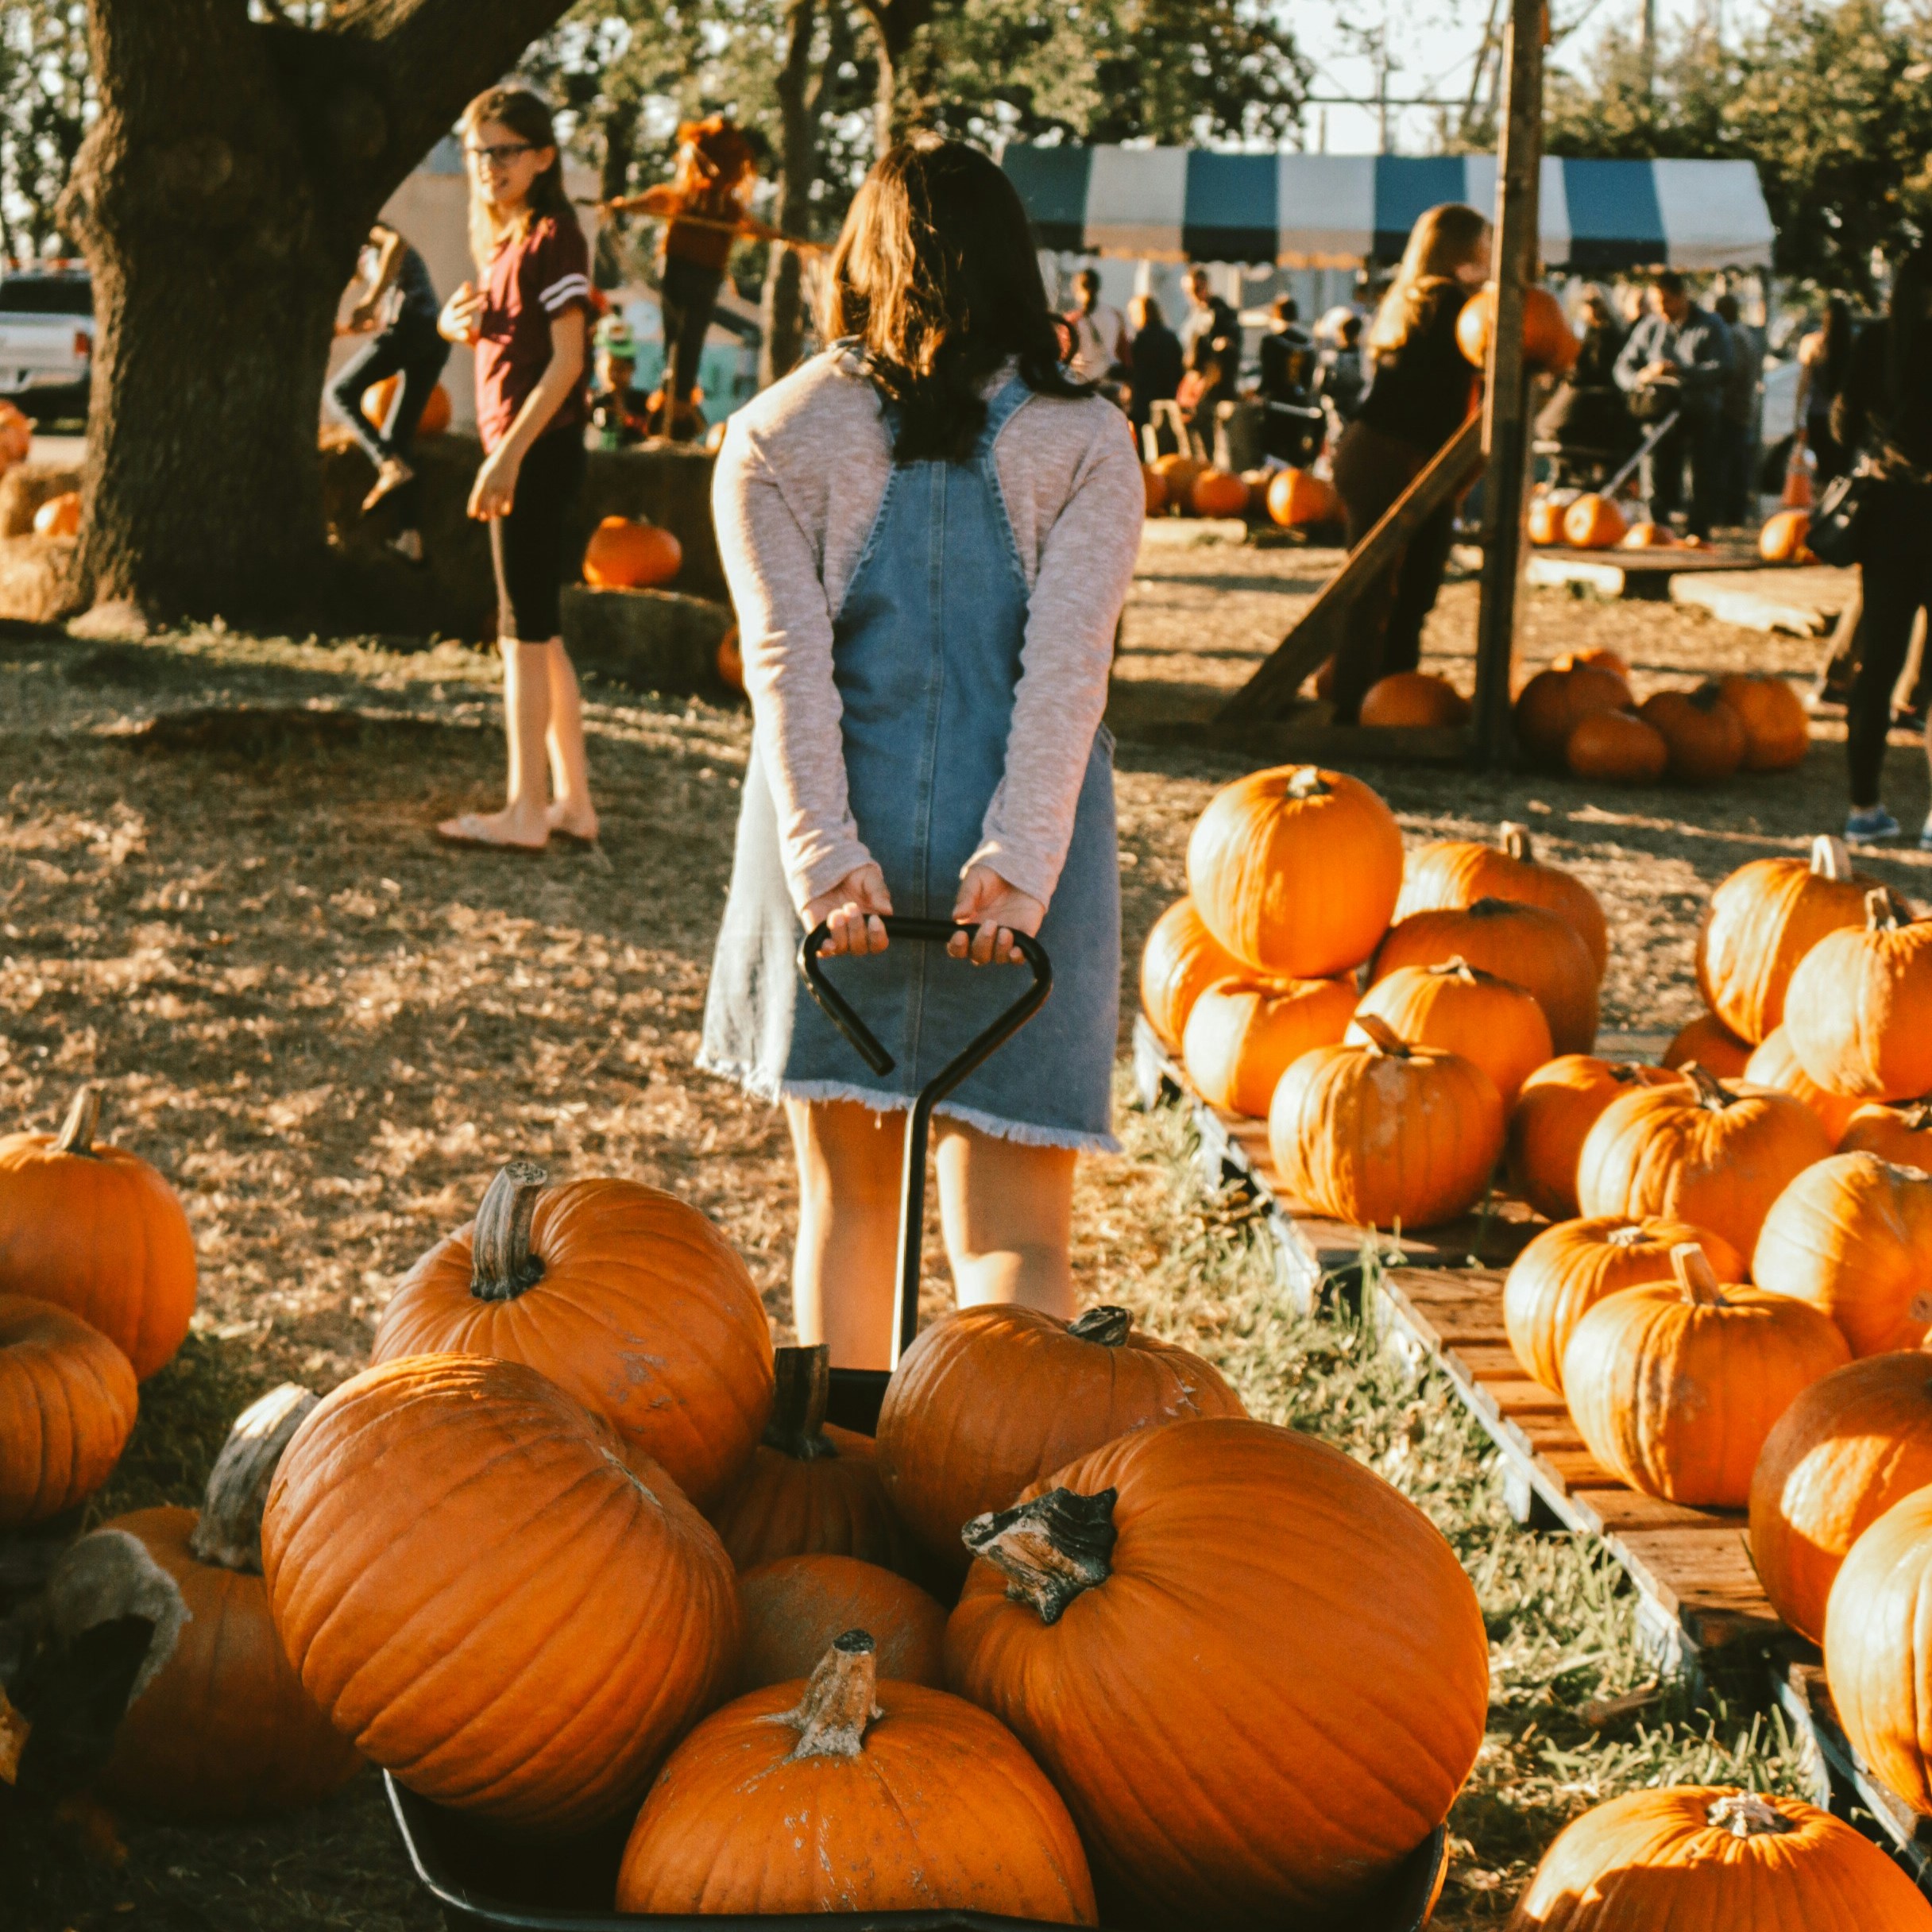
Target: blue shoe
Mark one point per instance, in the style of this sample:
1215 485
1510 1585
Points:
1868 828
1925 836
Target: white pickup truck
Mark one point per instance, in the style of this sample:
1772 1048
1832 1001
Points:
46 340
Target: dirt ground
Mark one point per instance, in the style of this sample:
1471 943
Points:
219 900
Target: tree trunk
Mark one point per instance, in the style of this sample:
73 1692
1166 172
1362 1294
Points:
895 24
220 197
784 298
620 130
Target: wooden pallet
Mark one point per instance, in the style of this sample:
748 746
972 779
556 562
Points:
1645 574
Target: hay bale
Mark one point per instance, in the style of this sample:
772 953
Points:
651 640
26 486
36 579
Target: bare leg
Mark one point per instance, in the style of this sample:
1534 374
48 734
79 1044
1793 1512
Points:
526 716
570 810
1007 1211
845 1271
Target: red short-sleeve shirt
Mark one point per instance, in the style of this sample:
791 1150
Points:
530 283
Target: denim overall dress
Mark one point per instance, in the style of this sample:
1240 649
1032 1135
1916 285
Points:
926 653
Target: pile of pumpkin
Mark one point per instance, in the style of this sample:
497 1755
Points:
1184 486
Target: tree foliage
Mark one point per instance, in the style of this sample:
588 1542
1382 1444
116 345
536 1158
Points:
46 97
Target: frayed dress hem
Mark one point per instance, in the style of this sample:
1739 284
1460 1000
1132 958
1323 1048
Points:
1022 1133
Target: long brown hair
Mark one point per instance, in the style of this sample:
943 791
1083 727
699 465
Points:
1445 239
526 116
936 276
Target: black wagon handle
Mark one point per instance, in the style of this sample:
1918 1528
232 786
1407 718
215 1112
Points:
976 1050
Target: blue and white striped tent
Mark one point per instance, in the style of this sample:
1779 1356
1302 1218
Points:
1334 210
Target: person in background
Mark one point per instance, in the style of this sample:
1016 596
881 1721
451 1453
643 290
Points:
398 308
527 322
1882 415
1418 396
1823 357
927 754
1588 415
1742 387
1212 320
1287 357
1155 360
618 411
1340 378
1679 358
1099 330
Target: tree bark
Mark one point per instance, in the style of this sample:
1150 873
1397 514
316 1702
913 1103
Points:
221 197
784 298
895 24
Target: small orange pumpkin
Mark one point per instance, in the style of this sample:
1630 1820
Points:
380 397
66 1408
1777 733
1154 486
1703 737
1457 872
1457 1009
58 516
1179 961
1550 706
1548 342
1649 536
1414 697
1597 657
1243 1034
1593 523
731 660
1545 523
623 555
1298 496
1859 1011
1553 1114
1675 1386
1901 1135
1712 1044
1782 540
1217 493
1773 1064
1617 746
795 1607
1177 472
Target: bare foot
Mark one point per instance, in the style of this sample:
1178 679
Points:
577 823
507 831
391 475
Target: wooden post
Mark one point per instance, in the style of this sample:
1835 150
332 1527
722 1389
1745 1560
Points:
1505 408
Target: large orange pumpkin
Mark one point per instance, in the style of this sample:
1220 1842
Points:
1712 1044
1900 1134
1848 1449
1568 1269
1777 733
491 1592
1180 960
224 1729
1552 704
1299 496
1154 487
1773 1064
793 1608
16 435
1702 1856
1782 540
1859 1011
1218 493
1594 657
620 1293
1540 951
1414 698
854 1794
1593 523
1383 1135
1302 1656
1703 737
380 397
1455 873
1177 475
1675 1385
1243 1034
622 555
1553 1114
1701 1151
1617 746
1545 519
97 1229
67 1401
1548 345
811 1488
989 1399
1458 1009
1878 1660
1764 918
1852 1236
1296 870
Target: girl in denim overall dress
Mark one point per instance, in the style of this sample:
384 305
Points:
930 530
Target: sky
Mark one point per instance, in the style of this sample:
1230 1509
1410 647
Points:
1432 46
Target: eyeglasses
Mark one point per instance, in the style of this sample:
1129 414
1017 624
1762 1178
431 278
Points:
503 152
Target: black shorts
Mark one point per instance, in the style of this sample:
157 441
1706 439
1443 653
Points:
528 546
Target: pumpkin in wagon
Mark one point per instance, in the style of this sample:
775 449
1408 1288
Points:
1244 1034
1452 875
795 1607
1860 1009
97 1231
1180 960
68 1402
1555 1109
1457 1008
1300 1657
623 1295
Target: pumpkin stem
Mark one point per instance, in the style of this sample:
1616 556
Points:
228 1533
1711 1091
838 1703
1885 912
1695 1276
1627 1236
1107 1325
1514 840
803 1380
1383 1038
501 1264
1831 858
1051 1548
1744 1815
82 1122
1307 782
1456 967
1918 1116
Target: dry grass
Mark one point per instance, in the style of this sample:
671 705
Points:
218 900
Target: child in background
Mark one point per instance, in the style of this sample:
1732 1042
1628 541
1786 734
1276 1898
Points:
617 410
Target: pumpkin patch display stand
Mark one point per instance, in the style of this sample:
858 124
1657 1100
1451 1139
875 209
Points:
485 1878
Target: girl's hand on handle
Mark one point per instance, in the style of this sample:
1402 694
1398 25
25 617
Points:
853 908
1000 911
494 493
462 315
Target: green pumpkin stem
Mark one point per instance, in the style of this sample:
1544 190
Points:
1107 1325
502 1266
1050 1549
228 1534
1695 1277
1745 1815
802 1379
82 1123
839 1701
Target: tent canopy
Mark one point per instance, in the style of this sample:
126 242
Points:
1334 210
